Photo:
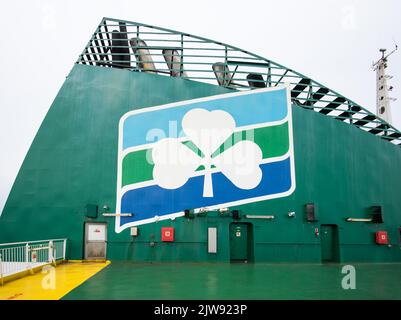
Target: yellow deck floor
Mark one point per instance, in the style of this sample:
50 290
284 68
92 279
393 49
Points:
51 284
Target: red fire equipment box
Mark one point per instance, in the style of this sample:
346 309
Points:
167 234
381 237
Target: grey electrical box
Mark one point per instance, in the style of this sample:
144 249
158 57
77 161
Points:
212 240
134 231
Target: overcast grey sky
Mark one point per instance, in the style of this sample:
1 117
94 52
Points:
333 42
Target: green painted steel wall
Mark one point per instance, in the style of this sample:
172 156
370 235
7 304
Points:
73 162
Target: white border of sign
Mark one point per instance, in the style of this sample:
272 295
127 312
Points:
121 154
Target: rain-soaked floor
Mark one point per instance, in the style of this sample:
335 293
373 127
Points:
50 283
126 280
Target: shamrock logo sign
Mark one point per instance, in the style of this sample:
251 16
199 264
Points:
175 162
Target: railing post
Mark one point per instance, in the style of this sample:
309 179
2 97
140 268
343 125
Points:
1 270
182 56
28 265
64 248
50 257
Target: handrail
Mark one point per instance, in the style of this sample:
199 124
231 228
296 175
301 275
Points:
35 241
17 257
125 44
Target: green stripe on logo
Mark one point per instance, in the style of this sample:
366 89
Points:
136 168
274 142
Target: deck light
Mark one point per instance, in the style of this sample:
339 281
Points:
249 216
359 219
117 214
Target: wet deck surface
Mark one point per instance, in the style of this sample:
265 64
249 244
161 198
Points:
9 268
50 283
124 280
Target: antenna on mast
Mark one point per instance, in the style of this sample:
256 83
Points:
382 89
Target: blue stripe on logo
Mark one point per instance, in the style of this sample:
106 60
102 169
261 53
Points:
263 107
153 200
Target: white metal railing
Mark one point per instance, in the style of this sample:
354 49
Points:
21 256
140 47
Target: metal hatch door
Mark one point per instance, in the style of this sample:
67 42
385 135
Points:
95 240
329 243
238 242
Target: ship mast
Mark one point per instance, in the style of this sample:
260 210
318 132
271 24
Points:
382 89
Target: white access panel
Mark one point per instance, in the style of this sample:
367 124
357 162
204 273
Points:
212 240
96 232
134 231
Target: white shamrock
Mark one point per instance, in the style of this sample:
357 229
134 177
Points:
175 162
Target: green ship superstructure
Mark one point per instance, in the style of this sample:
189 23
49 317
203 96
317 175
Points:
347 160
